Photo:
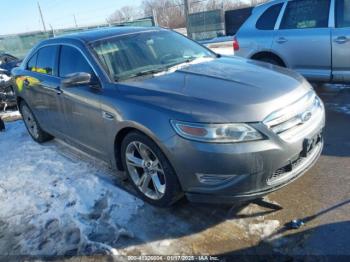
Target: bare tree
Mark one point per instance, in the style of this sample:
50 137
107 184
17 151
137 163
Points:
124 14
170 13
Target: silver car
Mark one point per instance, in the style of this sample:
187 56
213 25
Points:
178 118
311 37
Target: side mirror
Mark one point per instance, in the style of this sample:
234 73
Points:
76 79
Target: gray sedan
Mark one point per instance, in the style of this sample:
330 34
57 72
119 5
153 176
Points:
178 118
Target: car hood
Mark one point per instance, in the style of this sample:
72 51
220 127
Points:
221 90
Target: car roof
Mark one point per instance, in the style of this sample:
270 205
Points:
103 33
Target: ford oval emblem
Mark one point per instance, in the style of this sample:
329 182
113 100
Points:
304 117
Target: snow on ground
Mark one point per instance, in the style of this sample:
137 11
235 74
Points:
10 115
55 200
54 204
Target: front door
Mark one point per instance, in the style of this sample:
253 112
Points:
83 114
341 41
303 38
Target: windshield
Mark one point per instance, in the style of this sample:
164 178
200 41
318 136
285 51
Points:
145 53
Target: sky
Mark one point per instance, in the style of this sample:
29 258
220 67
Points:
19 16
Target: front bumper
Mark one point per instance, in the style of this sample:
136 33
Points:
253 169
287 179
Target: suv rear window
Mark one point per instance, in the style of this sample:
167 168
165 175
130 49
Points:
343 13
268 19
306 14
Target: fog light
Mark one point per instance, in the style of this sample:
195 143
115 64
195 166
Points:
213 179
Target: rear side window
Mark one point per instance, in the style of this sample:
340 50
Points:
72 61
268 19
306 14
46 60
31 65
342 13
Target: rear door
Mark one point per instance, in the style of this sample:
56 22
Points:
83 114
41 83
303 39
341 41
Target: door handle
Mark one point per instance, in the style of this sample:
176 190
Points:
107 115
341 40
281 40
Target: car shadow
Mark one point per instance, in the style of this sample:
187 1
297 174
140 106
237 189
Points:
324 242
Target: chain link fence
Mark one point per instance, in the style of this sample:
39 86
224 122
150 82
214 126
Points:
19 45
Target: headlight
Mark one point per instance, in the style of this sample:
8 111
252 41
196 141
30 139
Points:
216 133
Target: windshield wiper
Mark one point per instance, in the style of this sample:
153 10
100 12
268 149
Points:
141 73
164 68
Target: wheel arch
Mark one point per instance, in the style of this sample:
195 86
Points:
269 54
123 132
19 100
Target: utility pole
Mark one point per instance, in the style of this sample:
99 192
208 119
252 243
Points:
52 31
42 18
187 8
75 21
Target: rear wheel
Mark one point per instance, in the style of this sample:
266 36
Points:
32 125
149 170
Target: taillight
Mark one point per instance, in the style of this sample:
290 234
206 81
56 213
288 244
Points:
235 44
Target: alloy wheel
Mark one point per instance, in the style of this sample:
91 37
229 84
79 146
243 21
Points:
145 170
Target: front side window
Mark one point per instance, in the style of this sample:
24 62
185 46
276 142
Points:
268 19
306 14
147 52
342 13
46 60
72 61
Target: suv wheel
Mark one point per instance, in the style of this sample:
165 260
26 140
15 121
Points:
149 170
32 125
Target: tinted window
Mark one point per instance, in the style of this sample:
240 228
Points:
46 60
72 61
268 19
31 65
306 14
343 13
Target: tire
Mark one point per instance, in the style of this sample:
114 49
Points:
149 170
32 124
270 60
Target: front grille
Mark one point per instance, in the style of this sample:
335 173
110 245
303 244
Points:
295 115
293 164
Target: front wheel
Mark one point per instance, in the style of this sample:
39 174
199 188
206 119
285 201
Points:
149 170
32 124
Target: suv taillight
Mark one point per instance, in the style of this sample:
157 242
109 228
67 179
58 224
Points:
235 44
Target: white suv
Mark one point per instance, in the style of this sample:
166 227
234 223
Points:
309 36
